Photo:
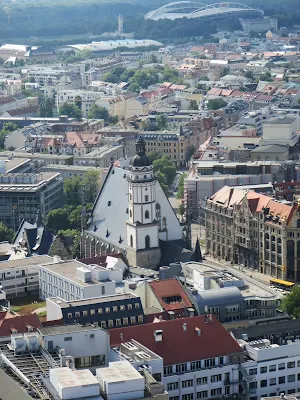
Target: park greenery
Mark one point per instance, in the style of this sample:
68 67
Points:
216 104
72 110
159 124
98 112
290 304
180 190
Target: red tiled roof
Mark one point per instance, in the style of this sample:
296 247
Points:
74 139
170 288
20 323
102 259
177 345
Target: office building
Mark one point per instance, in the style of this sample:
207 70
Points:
22 196
73 280
259 25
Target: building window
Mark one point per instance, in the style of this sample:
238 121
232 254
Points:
84 313
77 314
216 378
187 383
103 324
281 366
272 381
136 305
102 289
202 395
291 378
216 392
140 319
100 311
195 365
131 240
147 216
168 370
110 323
174 398
146 198
291 364
92 312
263 370
188 396
125 321
264 383
122 308
107 309
211 362
172 386
181 367
68 339
132 320
115 308
281 380
147 242
202 381
272 368
118 322
129 306
70 315
252 371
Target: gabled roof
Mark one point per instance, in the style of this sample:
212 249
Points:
179 345
170 288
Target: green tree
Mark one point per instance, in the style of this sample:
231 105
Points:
153 155
74 235
291 303
73 191
163 182
7 128
161 121
181 209
110 77
267 77
97 112
6 234
165 166
215 104
249 74
193 105
57 220
46 107
71 110
91 186
180 190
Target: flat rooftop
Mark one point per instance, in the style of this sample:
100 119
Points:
83 168
26 182
119 371
252 287
68 378
14 163
67 269
117 297
37 156
281 120
62 329
25 262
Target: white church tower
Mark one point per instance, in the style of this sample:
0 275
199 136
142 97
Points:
142 227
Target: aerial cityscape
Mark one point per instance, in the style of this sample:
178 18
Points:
149 200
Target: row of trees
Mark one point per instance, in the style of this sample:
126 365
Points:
142 78
95 112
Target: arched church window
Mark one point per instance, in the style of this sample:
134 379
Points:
147 242
164 223
158 214
146 214
130 214
131 241
146 198
298 223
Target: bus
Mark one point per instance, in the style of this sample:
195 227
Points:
280 284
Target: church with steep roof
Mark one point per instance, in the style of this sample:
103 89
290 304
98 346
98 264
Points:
133 215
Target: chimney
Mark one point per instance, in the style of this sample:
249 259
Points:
184 327
158 335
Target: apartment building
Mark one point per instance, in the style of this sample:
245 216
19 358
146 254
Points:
255 230
20 277
200 358
22 196
174 144
107 312
73 280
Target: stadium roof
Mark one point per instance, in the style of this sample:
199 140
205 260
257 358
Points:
114 44
189 9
